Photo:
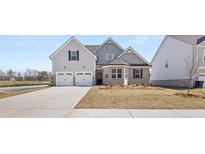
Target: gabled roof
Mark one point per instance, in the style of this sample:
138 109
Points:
117 62
131 50
67 42
201 40
92 48
190 39
107 41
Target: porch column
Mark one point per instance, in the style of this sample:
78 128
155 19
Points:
125 76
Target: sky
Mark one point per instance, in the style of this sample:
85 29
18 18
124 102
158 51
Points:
21 52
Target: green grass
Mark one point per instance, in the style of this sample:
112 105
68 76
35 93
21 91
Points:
22 83
18 92
141 98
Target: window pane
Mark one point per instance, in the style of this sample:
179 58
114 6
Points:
119 75
137 76
137 71
119 70
73 57
68 73
113 75
106 75
109 56
73 53
60 73
87 73
79 73
113 70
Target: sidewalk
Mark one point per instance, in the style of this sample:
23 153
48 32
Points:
135 113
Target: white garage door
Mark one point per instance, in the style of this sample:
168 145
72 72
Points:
202 78
83 79
64 79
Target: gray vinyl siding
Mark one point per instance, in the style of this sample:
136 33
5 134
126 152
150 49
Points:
107 48
144 80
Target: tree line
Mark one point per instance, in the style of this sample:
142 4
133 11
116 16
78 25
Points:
28 75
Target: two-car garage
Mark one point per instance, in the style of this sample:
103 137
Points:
77 79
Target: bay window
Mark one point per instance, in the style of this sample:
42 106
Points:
116 73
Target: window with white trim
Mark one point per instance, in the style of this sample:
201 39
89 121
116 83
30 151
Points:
116 73
109 56
73 55
137 73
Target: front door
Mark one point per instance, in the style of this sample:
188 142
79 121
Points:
99 78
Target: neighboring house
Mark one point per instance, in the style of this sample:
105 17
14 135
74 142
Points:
109 64
170 63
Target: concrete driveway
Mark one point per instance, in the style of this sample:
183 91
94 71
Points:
51 102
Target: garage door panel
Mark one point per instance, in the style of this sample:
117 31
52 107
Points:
64 79
83 79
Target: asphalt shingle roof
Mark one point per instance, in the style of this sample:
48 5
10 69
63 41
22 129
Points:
92 48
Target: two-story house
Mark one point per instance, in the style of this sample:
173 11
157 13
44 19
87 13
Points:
76 64
174 59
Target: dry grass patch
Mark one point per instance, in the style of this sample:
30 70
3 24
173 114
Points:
22 83
18 92
141 98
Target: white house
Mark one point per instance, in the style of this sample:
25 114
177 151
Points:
169 64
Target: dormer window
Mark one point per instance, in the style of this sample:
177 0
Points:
109 56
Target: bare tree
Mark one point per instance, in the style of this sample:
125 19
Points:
192 64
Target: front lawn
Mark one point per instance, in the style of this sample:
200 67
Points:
4 94
142 98
22 83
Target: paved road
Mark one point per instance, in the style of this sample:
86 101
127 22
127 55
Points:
51 102
21 87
